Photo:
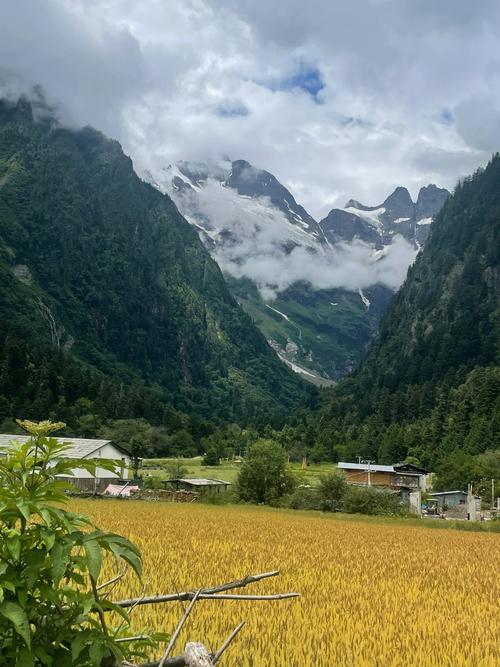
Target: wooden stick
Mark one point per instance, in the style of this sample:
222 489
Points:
188 595
275 596
177 630
228 641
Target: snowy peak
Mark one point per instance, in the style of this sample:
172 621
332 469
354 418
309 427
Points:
249 181
399 204
430 199
377 225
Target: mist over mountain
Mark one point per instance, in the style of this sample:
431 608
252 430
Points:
315 289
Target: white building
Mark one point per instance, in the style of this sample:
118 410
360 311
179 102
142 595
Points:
83 448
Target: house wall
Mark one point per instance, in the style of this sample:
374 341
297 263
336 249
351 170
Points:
377 478
451 499
106 452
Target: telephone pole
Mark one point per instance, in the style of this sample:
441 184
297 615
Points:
368 470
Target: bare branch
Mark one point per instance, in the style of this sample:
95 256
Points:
188 595
100 612
228 641
275 596
177 630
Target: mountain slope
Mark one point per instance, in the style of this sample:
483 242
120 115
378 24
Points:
284 267
430 384
100 265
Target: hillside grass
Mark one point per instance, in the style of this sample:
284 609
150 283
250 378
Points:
228 470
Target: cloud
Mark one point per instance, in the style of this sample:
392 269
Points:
478 121
401 84
255 240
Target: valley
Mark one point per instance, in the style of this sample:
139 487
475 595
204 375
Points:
274 255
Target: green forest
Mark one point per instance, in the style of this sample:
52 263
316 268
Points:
114 319
110 306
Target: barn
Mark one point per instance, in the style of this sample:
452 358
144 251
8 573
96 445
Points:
83 448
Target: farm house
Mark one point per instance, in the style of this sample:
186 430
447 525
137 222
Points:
83 448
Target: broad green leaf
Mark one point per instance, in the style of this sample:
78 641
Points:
94 558
17 616
13 543
96 653
59 561
26 658
78 644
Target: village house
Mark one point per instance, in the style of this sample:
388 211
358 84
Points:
405 479
83 448
398 476
457 504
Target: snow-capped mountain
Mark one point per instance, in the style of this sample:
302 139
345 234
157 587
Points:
316 290
377 225
238 207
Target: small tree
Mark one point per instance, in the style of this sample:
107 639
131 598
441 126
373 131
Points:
211 457
331 491
51 612
264 477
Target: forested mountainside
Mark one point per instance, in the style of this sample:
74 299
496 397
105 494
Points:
107 295
430 385
246 218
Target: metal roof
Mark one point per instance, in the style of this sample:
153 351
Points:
403 468
199 481
80 448
364 467
446 493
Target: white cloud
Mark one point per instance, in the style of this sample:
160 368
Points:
158 75
255 240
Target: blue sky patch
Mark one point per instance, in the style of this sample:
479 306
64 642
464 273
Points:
447 117
307 78
230 110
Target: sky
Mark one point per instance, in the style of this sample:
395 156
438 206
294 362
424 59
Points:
337 99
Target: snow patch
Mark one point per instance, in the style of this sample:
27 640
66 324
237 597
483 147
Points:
364 299
424 221
371 217
279 312
401 220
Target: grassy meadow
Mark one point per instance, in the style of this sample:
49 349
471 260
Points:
227 470
373 593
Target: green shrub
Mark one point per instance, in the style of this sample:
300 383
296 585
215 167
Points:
370 500
51 612
211 458
264 476
331 491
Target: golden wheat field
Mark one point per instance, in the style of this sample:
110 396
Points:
385 595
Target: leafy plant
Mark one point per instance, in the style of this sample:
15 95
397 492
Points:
264 476
52 609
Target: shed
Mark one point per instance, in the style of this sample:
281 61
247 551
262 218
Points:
449 498
85 448
199 484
